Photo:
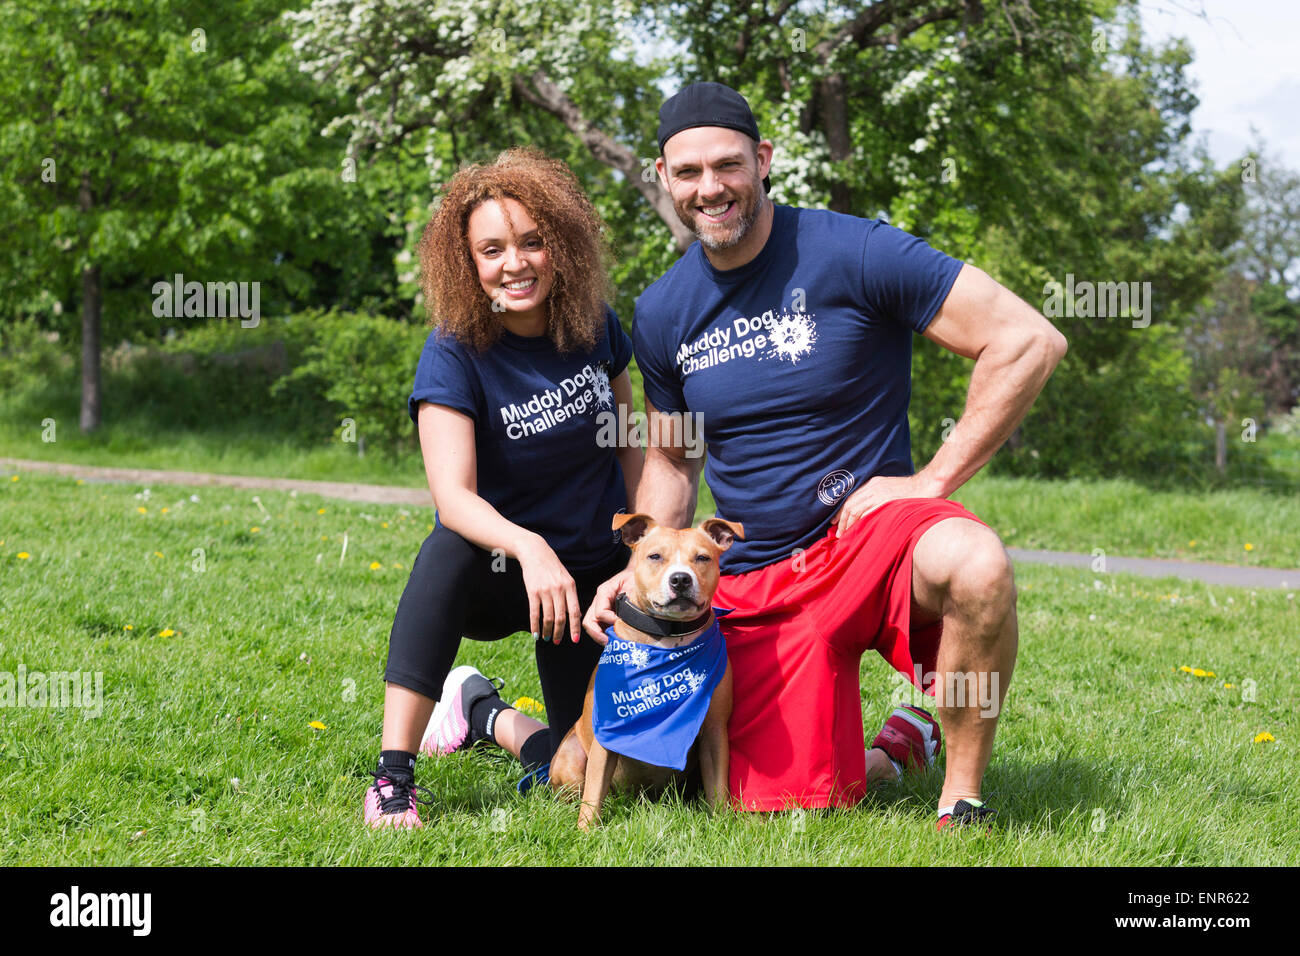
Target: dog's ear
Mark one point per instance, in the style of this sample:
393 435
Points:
723 532
634 527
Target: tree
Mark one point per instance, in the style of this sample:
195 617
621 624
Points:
151 138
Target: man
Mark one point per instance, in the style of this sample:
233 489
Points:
789 331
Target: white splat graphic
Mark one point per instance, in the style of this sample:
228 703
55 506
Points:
792 335
694 679
639 656
601 388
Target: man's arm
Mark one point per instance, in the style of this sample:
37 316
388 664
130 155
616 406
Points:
669 482
1015 350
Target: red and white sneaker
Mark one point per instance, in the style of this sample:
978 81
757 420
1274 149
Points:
448 729
911 738
391 802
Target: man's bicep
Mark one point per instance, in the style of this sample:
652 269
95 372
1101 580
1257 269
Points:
979 311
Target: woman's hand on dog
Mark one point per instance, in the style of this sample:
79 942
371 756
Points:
552 594
601 613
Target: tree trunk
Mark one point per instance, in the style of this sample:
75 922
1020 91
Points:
1220 448
91 391
835 124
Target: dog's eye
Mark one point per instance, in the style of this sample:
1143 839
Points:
654 557
703 559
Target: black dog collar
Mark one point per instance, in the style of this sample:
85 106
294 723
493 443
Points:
630 614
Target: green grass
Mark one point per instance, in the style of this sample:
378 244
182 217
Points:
1106 753
1124 518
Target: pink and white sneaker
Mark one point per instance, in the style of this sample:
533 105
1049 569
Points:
911 738
391 802
449 729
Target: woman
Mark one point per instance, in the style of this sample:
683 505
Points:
510 397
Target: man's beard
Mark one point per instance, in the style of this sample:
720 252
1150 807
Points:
746 213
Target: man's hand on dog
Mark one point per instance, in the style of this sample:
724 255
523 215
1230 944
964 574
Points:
877 492
601 613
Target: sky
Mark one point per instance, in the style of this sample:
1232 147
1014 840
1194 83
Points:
1246 68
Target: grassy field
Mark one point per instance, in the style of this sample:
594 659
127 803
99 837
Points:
223 631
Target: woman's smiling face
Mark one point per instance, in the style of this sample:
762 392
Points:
513 265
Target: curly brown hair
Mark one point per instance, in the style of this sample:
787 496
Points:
572 234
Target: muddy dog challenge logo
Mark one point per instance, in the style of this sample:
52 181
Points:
786 336
588 389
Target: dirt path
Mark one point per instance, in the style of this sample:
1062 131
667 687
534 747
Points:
1232 575
373 494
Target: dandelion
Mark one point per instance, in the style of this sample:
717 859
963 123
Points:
383 524
1249 546
398 565
14 478
320 511
81 481
165 510
375 565
317 725
1229 686
166 632
1264 737
254 529
157 554
1192 543
23 555
1185 669
142 510
528 705
129 627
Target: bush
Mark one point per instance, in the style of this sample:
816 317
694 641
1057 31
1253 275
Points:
29 354
363 367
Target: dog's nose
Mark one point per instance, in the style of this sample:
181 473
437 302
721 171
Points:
679 582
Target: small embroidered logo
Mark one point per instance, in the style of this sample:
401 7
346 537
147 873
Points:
835 486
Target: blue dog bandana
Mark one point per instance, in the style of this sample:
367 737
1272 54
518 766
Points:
649 702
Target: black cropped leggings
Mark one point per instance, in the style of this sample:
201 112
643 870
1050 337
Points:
453 592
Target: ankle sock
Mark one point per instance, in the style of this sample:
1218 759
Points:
483 718
536 750
398 762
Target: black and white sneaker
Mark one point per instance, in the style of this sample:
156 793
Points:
967 813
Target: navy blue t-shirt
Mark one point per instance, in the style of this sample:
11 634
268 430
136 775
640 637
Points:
799 362
537 415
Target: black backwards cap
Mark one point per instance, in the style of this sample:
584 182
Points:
707 104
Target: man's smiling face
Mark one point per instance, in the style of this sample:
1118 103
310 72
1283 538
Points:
715 176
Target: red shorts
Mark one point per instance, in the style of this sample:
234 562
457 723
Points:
795 642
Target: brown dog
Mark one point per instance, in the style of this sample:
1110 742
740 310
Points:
675 575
